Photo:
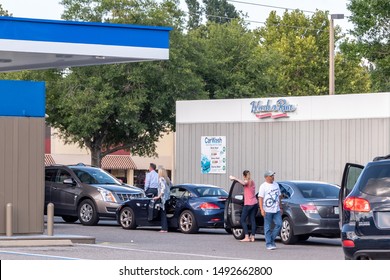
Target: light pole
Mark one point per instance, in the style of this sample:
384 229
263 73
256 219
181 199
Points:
331 51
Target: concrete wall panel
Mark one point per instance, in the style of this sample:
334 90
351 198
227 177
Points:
22 173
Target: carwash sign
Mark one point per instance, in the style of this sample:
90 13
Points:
277 110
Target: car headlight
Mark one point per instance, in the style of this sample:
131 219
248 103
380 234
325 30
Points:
107 195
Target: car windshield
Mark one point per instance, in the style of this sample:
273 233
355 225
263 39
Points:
210 191
94 176
318 191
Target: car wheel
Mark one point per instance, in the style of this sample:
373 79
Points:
287 232
187 222
228 230
238 233
127 218
69 219
87 213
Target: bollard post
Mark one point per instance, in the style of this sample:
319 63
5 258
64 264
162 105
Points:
8 220
50 219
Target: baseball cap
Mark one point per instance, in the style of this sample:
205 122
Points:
269 173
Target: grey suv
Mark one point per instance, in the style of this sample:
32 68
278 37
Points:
85 193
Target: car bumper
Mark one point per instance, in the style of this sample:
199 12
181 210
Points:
367 247
108 209
319 227
210 218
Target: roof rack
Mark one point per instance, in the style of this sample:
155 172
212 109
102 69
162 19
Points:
381 158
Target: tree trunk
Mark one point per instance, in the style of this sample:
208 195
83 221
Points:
96 157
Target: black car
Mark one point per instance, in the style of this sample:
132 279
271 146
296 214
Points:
310 208
365 215
190 207
85 193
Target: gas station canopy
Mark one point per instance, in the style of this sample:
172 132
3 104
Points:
27 44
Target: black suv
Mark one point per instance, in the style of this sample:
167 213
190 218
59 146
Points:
85 193
365 215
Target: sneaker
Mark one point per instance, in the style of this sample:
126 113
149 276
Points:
270 247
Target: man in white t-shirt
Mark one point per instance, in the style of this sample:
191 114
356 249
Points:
269 203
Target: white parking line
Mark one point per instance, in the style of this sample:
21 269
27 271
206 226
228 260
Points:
37 255
158 252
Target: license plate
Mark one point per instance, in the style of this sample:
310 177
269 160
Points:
383 219
336 210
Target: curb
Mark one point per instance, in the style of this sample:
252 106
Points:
35 243
44 240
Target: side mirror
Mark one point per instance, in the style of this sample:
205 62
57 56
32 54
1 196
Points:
69 181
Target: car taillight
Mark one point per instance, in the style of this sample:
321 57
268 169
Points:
208 205
309 208
356 204
348 243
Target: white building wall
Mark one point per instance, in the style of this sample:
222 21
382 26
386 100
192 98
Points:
313 143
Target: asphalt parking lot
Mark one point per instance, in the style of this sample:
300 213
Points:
115 243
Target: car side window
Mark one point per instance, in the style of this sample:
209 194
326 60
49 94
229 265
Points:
179 192
285 190
85 178
50 175
63 175
353 176
237 192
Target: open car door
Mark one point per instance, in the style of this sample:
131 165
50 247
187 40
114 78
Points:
350 176
234 204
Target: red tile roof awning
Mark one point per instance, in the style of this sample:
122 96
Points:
118 162
49 160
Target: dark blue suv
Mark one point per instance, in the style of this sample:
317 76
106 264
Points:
365 215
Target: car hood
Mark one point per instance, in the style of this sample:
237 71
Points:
118 189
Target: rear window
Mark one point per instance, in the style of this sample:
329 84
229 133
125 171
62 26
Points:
318 191
375 180
210 191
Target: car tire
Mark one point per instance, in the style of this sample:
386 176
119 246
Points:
127 218
69 219
228 230
187 222
238 233
87 213
287 232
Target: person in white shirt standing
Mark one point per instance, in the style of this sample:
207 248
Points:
270 207
151 180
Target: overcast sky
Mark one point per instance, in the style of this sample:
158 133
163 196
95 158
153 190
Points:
51 9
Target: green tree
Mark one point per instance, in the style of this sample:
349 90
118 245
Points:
4 12
371 19
220 11
123 106
302 44
230 61
194 14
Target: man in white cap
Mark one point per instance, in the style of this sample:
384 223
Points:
269 203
